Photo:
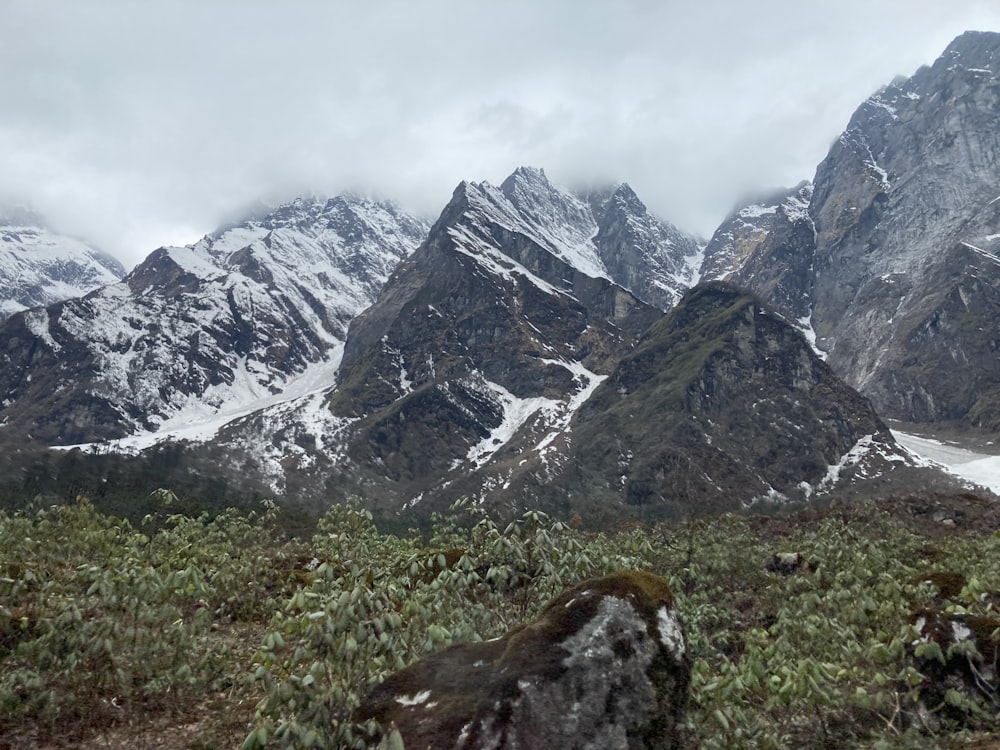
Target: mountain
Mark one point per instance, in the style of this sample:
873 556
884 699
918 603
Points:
253 313
651 258
902 279
768 246
722 405
501 364
39 266
500 324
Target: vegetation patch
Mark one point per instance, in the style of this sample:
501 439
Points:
182 631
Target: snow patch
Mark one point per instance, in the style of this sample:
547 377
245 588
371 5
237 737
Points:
753 212
671 635
979 468
516 411
414 700
37 322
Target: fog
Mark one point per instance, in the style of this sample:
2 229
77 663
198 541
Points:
140 124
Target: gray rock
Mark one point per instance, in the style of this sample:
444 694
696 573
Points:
604 666
901 281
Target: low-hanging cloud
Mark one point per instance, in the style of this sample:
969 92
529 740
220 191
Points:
139 124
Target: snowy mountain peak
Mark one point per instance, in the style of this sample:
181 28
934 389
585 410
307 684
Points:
205 330
626 197
39 266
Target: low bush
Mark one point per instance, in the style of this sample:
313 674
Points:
217 632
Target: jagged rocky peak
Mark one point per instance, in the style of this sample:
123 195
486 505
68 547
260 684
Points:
39 266
748 226
602 232
543 206
488 337
648 256
767 247
892 262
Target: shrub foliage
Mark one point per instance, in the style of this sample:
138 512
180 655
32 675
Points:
224 632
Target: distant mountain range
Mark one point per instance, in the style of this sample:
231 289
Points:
536 347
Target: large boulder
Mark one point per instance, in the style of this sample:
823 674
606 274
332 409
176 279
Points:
604 666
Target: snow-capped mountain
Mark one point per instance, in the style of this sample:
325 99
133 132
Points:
39 266
520 354
648 256
483 370
243 317
502 322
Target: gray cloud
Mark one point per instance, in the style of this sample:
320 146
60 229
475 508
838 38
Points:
138 124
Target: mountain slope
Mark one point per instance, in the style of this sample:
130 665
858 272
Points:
723 404
896 264
651 258
907 284
39 267
494 327
493 367
768 247
240 316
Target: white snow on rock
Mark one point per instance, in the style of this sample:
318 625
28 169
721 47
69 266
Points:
39 267
516 412
257 316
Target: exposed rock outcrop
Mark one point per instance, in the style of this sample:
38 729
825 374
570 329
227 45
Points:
651 258
603 667
767 248
896 263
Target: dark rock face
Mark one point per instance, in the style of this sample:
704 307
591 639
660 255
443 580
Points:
495 326
649 257
723 404
604 666
767 248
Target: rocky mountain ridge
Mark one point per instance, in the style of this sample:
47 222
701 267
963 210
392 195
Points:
483 370
238 317
900 279
517 352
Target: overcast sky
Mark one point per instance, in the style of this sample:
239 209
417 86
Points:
140 123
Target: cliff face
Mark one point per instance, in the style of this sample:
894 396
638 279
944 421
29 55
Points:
894 266
768 247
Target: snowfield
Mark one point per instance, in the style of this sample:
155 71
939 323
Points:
979 468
